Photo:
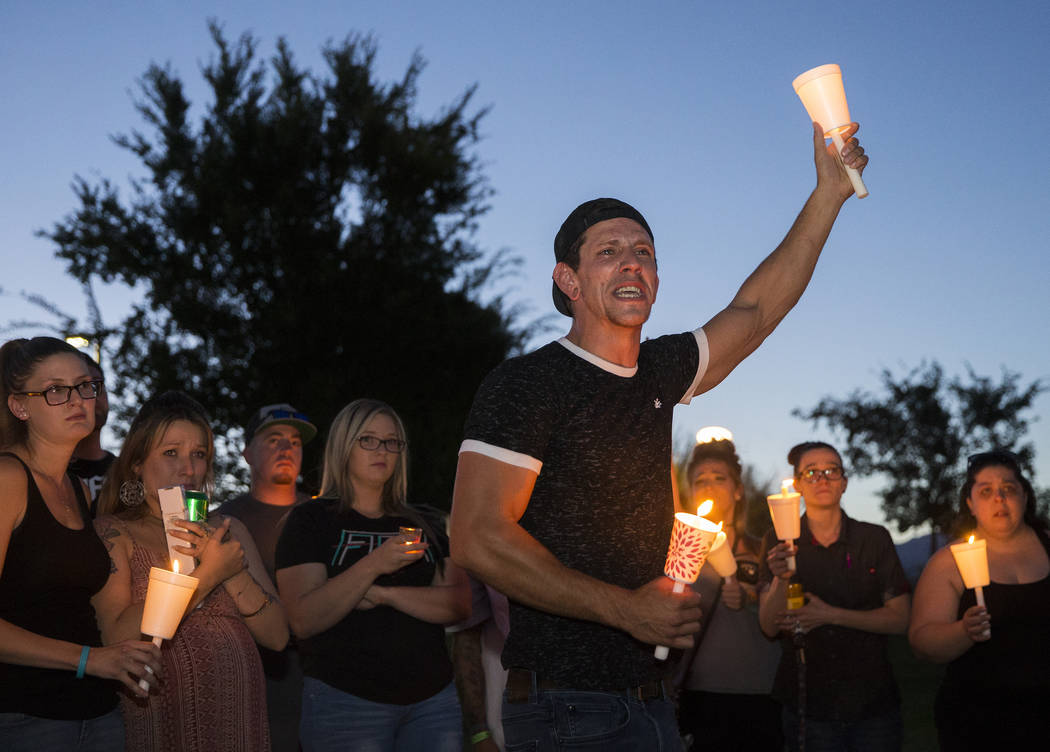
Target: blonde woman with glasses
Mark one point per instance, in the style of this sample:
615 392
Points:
369 588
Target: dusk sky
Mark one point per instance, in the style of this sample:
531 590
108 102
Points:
683 109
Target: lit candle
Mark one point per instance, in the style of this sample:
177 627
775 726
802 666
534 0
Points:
691 540
972 560
167 596
784 508
824 98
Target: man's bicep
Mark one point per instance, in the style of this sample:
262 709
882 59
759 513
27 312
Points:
489 490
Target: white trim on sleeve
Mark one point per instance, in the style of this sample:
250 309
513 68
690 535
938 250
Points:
502 455
701 365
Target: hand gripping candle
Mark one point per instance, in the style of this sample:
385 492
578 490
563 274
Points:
691 539
824 98
783 508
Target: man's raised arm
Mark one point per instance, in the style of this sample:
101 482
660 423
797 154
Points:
777 284
486 539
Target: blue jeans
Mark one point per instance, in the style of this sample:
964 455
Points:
27 733
337 721
555 720
879 734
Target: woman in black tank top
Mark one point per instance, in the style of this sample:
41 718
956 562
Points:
57 688
997 684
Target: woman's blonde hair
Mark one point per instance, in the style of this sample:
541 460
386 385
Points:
346 429
154 418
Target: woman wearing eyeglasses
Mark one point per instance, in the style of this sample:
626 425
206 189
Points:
212 696
725 701
57 684
367 602
996 688
856 595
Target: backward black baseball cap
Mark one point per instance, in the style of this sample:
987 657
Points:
583 216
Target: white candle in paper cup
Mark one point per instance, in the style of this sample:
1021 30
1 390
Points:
784 509
972 560
167 596
824 98
721 557
691 539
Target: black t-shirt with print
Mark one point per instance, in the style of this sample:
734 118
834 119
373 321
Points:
380 654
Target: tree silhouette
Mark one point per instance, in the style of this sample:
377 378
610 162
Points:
309 240
919 431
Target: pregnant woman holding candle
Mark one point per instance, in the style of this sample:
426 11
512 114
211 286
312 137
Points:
725 701
855 594
53 670
212 696
368 602
996 688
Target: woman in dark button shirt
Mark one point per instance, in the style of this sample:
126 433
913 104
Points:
52 670
856 594
996 688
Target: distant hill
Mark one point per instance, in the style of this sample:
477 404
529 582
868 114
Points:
914 554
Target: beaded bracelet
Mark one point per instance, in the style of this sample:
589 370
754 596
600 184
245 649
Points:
83 661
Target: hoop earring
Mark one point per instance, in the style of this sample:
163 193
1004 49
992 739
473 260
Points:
132 493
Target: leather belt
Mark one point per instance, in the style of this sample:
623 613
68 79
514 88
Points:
520 685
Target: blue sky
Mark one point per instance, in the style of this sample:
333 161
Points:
684 109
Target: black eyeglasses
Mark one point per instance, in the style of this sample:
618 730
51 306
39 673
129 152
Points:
828 473
372 443
1004 456
59 395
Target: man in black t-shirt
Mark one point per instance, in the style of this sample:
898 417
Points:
563 498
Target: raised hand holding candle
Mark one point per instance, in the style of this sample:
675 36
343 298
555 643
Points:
824 98
784 509
972 560
691 539
167 596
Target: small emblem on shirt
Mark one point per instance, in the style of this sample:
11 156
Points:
657 403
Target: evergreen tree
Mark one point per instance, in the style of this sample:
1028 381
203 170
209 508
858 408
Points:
309 239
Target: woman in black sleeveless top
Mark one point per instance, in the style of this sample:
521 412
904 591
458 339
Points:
56 684
996 687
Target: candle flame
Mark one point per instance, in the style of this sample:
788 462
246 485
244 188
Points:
971 539
705 508
175 566
787 486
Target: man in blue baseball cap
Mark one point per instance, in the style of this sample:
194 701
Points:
274 439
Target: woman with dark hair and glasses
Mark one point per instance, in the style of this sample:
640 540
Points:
996 688
369 599
726 680
856 595
57 683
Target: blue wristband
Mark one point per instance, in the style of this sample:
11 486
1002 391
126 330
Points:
83 661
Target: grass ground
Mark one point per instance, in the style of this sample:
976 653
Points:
918 684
